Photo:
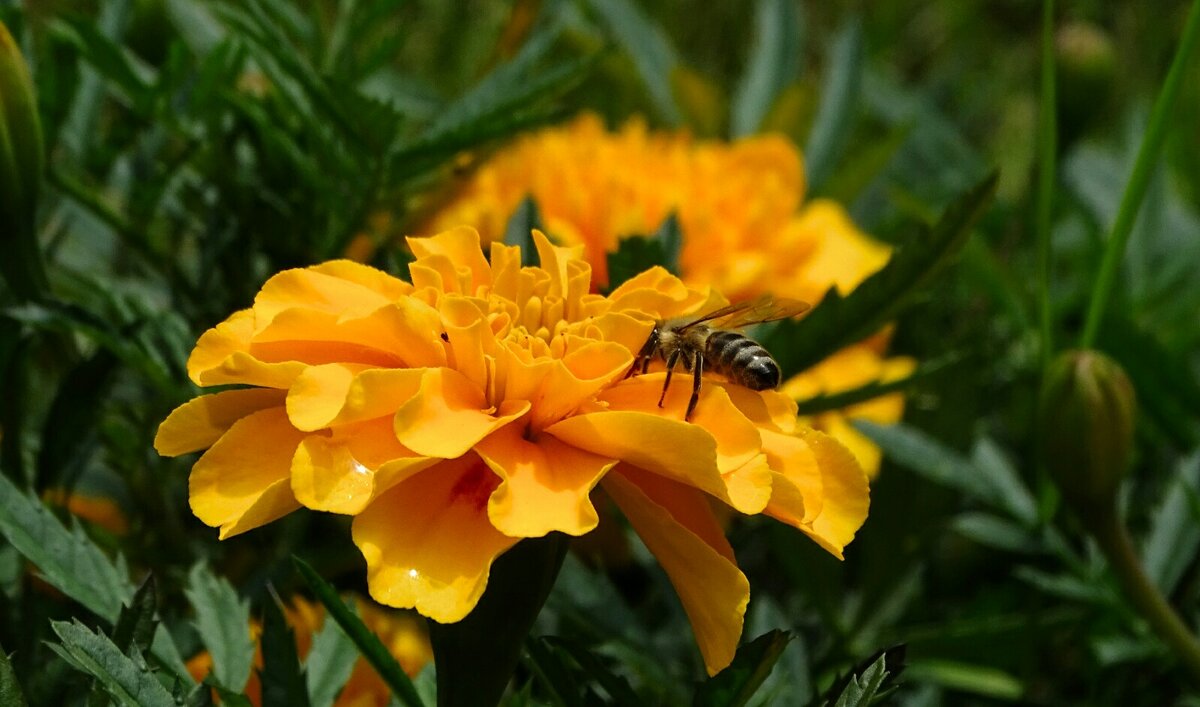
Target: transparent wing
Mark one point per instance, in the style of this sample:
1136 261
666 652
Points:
762 309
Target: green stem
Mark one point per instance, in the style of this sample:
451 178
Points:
1047 167
1143 169
1110 533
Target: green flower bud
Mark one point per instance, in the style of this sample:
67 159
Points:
1087 417
20 171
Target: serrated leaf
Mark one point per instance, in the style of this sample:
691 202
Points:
647 45
838 105
137 621
774 63
556 658
10 689
737 683
70 562
838 321
1170 546
329 663
130 682
519 230
223 622
282 682
367 642
995 532
869 678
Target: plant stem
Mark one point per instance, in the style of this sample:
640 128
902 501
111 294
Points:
1110 533
1139 180
1047 168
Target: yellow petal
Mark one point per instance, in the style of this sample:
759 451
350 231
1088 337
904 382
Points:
461 247
198 423
737 439
675 449
449 415
712 589
843 497
545 484
222 355
554 260
243 481
327 288
346 471
337 394
658 295
428 542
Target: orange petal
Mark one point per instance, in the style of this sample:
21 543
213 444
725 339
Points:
344 472
545 484
244 480
336 394
765 408
843 497
449 415
198 423
658 294
343 287
712 589
737 439
222 355
675 449
461 247
555 260
428 542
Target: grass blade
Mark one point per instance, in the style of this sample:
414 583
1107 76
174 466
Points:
368 643
773 64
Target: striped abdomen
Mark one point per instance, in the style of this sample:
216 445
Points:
741 360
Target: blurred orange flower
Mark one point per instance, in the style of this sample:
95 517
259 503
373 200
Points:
403 634
483 403
740 205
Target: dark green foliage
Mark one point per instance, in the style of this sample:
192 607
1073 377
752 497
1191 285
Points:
637 253
738 683
282 680
10 688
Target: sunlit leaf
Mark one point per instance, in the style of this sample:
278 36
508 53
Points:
128 680
223 622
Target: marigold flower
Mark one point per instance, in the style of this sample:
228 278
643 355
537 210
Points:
403 634
740 205
483 403
100 510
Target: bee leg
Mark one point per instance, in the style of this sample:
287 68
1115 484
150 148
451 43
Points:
640 361
697 372
671 361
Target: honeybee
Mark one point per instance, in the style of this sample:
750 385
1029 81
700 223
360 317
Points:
708 342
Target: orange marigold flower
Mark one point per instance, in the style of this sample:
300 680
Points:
740 205
482 403
403 634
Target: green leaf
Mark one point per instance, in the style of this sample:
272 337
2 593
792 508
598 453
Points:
645 42
736 684
129 680
1170 546
519 230
70 562
368 643
964 677
868 679
874 389
223 622
1010 491
838 108
69 433
993 531
635 253
329 664
282 682
133 78
555 660
10 689
137 621
775 55
838 321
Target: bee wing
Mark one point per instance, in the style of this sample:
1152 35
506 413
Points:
761 309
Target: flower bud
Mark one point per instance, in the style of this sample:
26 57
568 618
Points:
20 170
1087 417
